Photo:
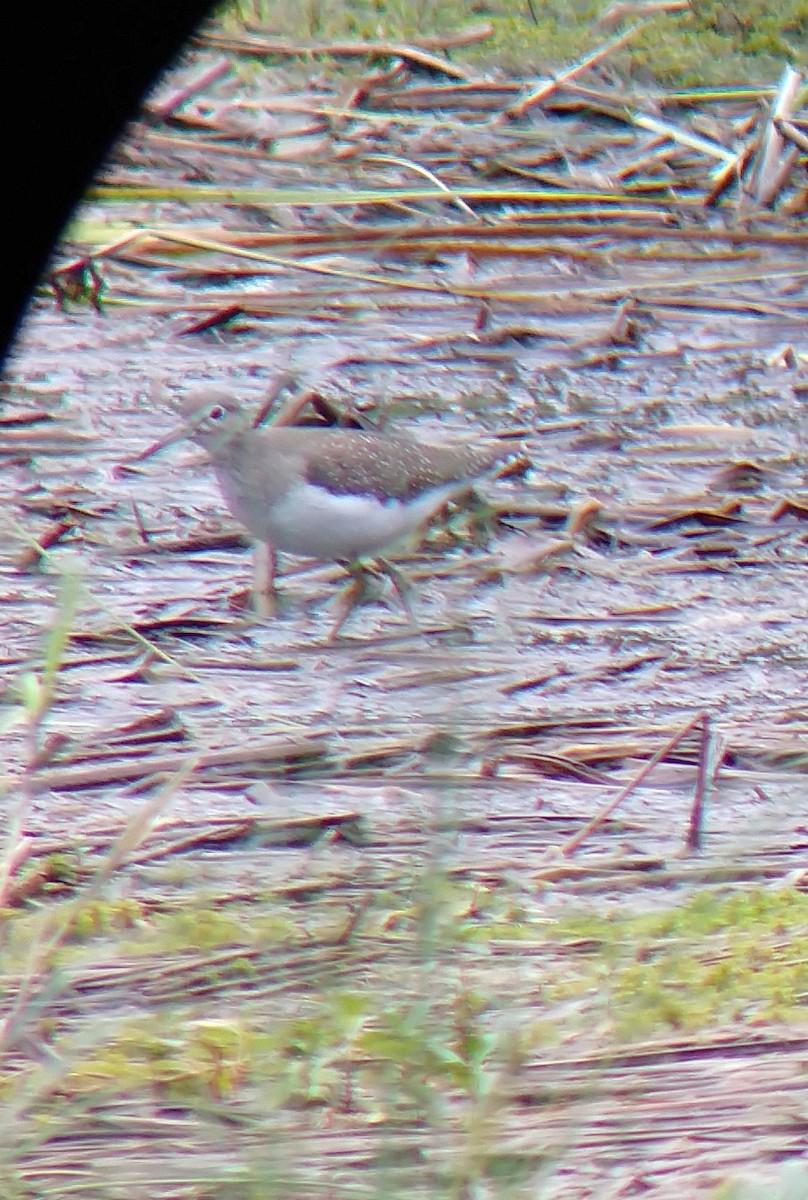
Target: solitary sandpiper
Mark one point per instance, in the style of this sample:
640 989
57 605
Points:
325 493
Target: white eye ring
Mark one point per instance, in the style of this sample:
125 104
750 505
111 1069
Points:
216 413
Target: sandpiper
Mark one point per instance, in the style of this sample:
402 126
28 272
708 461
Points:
325 493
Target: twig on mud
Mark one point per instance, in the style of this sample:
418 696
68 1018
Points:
620 9
684 137
287 378
774 161
572 844
37 694
427 174
548 86
262 46
40 972
710 756
164 109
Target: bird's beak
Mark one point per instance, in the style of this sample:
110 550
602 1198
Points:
158 395
175 435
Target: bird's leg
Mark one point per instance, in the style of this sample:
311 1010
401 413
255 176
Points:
351 597
264 595
402 586
358 591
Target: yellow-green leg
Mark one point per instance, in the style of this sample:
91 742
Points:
402 586
358 591
264 595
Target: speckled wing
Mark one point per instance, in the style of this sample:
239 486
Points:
390 467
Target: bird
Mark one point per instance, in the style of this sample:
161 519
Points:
332 494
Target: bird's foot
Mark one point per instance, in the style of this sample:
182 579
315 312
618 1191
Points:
351 597
404 589
359 591
261 604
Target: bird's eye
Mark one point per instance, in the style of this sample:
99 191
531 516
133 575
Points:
216 413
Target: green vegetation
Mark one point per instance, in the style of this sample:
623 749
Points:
716 42
415 1002
432 1014
738 957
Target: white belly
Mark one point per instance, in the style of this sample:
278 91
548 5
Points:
317 524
